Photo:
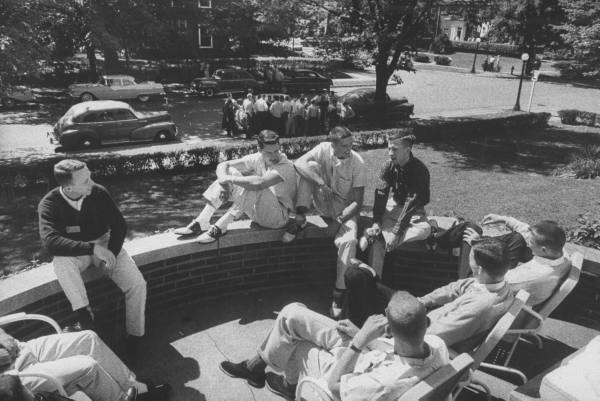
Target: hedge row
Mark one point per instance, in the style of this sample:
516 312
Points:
23 172
578 117
502 49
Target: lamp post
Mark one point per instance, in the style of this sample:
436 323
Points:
478 40
524 58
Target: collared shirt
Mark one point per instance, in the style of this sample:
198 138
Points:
408 183
261 105
299 108
248 106
384 376
313 111
341 175
276 109
539 277
466 307
285 191
75 204
287 107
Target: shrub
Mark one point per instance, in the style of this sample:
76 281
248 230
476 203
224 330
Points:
586 232
442 44
442 60
583 164
421 58
578 117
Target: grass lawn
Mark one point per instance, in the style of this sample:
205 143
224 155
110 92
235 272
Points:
470 177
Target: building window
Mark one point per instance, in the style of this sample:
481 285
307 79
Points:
205 39
204 3
182 26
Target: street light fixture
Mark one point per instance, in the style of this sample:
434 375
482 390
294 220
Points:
524 58
478 40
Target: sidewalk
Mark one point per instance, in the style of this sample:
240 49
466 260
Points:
359 79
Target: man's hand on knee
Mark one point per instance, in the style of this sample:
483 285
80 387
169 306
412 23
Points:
393 242
347 329
105 256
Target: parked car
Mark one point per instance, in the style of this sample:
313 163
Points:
116 87
362 101
90 124
225 80
304 81
14 95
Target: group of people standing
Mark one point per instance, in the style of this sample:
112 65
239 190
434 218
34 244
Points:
287 115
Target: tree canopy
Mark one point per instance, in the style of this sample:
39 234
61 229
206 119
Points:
582 30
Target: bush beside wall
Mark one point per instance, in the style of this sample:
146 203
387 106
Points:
578 117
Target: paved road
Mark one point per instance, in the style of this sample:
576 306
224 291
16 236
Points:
433 93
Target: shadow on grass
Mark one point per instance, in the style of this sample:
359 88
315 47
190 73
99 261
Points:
540 151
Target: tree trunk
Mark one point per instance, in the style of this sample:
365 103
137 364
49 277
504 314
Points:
382 76
111 60
91 56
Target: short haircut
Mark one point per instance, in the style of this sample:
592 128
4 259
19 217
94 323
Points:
11 388
407 317
491 255
276 97
63 170
338 133
267 137
407 140
549 234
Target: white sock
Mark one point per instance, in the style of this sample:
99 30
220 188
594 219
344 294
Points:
141 387
225 221
205 215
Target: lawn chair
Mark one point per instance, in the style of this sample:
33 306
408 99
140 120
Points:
530 322
22 316
435 387
499 330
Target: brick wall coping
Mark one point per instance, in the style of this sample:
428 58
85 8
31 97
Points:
34 285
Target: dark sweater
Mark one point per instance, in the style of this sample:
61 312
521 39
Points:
68 232
410 188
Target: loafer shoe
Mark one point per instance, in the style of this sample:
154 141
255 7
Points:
211 235
191 229
241 371
292 230
276 383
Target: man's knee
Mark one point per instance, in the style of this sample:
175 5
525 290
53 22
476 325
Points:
355 276
345 242
293 311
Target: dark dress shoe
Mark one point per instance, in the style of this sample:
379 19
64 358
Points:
277 385
131 394
85 321
160 392
241 371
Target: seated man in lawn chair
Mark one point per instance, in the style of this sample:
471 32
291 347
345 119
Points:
357 364
80 361
333 177
400 218
261 185
459 310
537 262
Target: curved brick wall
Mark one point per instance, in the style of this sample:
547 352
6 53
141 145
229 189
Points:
245 260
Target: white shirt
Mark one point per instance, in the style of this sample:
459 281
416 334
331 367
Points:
276 109
75 204
261 105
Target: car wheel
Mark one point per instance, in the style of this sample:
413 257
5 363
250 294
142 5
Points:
143 98
162 136
209 92
86 97
88 142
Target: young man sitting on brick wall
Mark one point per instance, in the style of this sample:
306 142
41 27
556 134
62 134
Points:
333 176
80 361
401 218
261 185
356 364
81 226
458 310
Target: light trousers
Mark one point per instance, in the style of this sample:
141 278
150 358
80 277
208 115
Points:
345 235
419 229
125 275
80 362
261 206
302 343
